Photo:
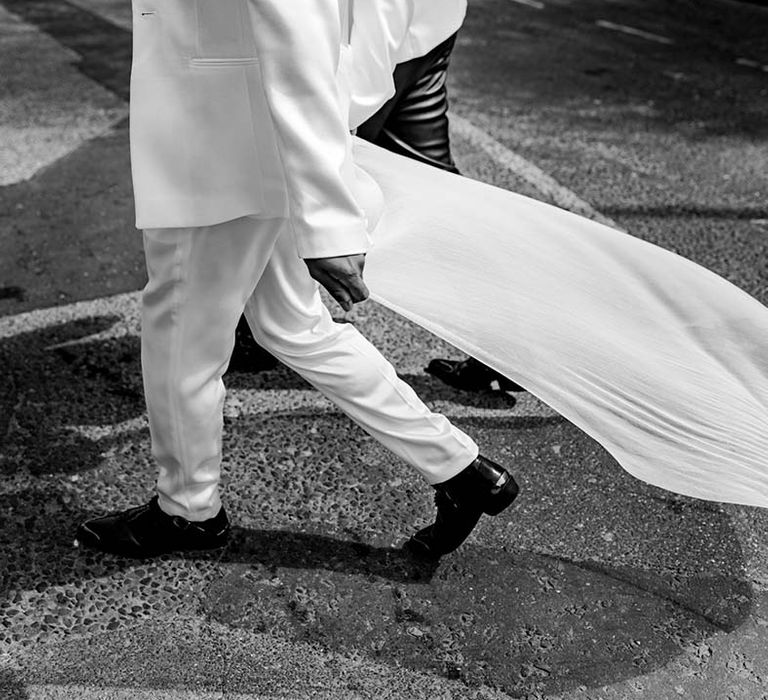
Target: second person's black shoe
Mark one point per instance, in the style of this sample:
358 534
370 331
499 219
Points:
470 375
483 487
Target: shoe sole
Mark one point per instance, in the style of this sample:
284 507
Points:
87 543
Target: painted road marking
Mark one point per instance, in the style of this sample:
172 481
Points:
675 75
117 12
531 3
624 29
49 107
750 63
68 692
549 187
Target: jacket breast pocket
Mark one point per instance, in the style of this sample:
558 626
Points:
224 33
233 61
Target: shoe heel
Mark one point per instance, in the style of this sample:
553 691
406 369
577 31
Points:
502 498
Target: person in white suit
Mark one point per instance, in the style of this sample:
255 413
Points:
248 197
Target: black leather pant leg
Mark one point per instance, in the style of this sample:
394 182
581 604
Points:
414 122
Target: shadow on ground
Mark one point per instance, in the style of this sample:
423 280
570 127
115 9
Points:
513 620
500 616
518 621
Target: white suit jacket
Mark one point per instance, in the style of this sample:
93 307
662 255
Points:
242 107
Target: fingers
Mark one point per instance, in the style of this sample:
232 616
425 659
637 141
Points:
356 287
341 277
338 291
352 277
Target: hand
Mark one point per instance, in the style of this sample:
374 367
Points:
342 276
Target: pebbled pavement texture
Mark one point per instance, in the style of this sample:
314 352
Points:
594 585
607 582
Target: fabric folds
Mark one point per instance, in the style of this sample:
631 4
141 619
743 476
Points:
661 361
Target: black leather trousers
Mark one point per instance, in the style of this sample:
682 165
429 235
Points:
414 122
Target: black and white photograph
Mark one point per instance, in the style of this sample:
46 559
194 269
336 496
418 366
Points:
383 349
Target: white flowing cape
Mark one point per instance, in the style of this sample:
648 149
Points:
661 361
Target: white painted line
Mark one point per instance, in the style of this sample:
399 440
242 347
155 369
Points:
58 109
81 692
751 63
531 3
624 29
126 305
759 222
119 13
546 184
97 432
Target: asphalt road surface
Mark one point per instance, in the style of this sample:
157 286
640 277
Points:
651 115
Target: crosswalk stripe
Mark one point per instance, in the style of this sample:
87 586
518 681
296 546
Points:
549 187
81 692
624 29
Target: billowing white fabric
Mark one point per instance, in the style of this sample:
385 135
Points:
661 361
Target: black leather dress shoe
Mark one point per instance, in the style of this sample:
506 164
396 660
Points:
470 375
147 531
483 487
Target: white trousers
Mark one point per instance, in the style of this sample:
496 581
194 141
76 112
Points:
200 281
